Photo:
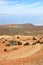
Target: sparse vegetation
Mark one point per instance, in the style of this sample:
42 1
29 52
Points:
19 43
13 42
41 42
15 48
2 37
6 30
17 37
5 50
38 41
26 44
25 50
33 43
34 38
3 41
7 44
10 43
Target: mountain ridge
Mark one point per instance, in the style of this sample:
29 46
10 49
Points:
21 29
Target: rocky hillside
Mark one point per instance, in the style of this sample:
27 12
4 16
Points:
21 29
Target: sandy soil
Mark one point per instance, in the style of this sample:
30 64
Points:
23 55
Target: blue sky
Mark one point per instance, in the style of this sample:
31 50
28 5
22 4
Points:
21 11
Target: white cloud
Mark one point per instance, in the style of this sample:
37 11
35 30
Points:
6 8
2 3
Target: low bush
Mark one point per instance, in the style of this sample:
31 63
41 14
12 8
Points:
41 42
15 48
7 44
17 37
11 43
5 50
38 41
26 44
19 43
34 38
3 41
33 43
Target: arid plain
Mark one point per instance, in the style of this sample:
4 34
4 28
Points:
21 44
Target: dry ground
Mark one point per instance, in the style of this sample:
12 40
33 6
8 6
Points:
22 55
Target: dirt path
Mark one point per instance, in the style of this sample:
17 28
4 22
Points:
21 53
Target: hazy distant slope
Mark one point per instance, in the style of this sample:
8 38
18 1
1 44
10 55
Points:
21 29
17 25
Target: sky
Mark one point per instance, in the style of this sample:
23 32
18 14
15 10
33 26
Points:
21 11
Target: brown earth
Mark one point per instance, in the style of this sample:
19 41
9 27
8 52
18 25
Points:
20 54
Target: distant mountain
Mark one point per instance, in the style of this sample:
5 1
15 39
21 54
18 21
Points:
21 29
17 25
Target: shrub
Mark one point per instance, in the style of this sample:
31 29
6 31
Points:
40 38
0 41
19 43
7 44
11 43
15 48
26 44
38 41
34 38
33 43
2 37
41 42
17 37
5 50
3 41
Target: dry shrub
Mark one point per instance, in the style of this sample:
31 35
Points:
8 44
5 50
26 44
33 43
17 37
2 37
19 43
38 41
41 42
3 41
11 43
0 40
34 38
15 48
